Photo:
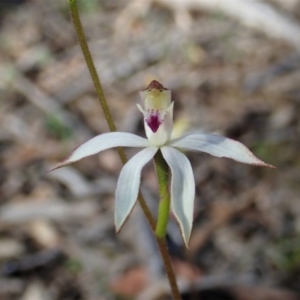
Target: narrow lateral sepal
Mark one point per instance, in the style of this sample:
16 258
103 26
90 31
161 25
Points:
129 183
182 189
103 142
218 146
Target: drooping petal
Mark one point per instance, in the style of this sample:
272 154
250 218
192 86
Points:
218 146
182 189
129 183
103 142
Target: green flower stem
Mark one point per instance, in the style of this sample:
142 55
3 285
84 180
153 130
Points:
90 64
162 172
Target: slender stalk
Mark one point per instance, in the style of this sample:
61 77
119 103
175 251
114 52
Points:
163 248
99 91
162 172
90 64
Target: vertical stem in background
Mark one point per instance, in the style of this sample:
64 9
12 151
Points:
90 64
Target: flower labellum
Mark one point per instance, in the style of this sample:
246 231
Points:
158 122
158 113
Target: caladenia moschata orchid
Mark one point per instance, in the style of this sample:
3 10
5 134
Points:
158 123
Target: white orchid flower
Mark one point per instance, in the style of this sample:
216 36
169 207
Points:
158 122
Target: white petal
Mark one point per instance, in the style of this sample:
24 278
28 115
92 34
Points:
102 142
182 189
129 183
218 146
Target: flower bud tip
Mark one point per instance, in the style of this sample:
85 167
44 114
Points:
155 85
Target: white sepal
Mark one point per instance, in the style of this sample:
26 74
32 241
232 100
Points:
218 146
103 142
182 189
129 183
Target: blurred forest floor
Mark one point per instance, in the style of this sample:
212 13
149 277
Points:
233 70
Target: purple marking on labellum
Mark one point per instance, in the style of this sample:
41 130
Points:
153 122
